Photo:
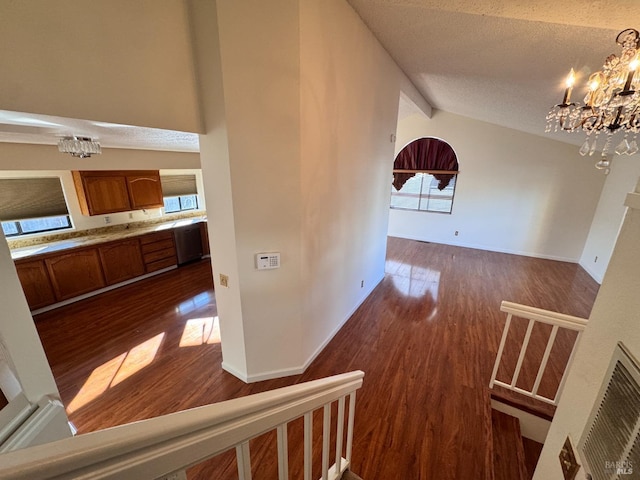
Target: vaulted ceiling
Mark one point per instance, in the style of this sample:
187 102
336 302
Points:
499 61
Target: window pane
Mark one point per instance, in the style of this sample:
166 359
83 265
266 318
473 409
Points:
171 204
10 228
188 202
44 224
409 195
421 193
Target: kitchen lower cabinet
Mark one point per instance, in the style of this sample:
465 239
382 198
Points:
75 273
121 260
36 285
158 250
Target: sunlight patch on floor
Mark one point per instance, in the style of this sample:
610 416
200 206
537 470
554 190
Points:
198 301
201 331
115 371
413 281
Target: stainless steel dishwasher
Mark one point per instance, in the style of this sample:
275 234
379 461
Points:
188 243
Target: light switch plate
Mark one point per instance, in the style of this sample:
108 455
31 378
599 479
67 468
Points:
568 460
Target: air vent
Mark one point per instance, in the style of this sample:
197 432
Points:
610 447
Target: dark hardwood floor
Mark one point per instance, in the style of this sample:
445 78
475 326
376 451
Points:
426 339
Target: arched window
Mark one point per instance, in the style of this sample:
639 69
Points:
424 176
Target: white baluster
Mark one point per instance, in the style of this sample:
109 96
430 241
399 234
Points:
283 453
545 359
308 431
352 414
523 351
503 340
339 434
566 369
243 458
326 434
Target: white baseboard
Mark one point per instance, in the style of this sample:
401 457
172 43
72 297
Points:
287 372
596 276
493 249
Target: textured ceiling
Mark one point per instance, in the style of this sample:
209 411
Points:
44 129
498 61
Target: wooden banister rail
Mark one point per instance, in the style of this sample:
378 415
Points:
158 447
557 321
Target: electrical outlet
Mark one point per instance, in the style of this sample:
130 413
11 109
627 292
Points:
130 215
224 280
107 220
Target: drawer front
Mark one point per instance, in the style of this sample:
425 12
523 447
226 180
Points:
156 237
160 245
159 264
159 255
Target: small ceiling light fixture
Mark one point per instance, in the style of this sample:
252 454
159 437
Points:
81 147
611 104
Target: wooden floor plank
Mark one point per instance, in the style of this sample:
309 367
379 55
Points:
508 450
532 451
426 339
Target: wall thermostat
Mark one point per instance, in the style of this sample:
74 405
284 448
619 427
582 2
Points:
266 261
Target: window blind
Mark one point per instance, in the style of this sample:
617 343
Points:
177 185
25 198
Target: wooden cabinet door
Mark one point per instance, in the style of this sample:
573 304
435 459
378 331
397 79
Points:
106 194
145 191
75 273
121 261
35 283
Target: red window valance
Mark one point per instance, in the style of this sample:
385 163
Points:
425 154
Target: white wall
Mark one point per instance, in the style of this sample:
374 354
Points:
116 61
216 172
25 160
606 223
516 193
299 108
350 93
615 317
260 56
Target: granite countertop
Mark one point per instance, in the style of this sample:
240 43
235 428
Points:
93 239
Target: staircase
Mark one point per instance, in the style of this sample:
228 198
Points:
162 448
514 457
535 353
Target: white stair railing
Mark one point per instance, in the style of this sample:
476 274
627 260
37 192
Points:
557 320
164 447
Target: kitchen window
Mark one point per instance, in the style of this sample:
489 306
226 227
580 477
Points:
32 205
180 193
180 204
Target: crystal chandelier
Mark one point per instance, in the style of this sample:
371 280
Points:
611 105
81 147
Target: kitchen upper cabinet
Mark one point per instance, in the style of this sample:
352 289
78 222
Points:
121 260
35 282
101 192
75 273
145 191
